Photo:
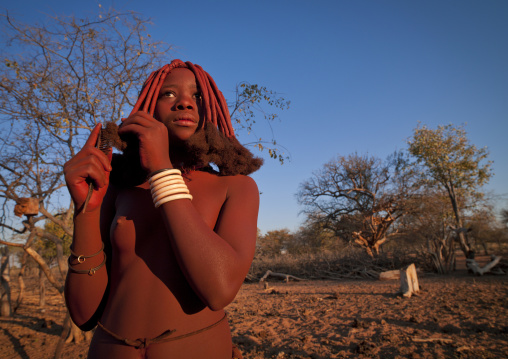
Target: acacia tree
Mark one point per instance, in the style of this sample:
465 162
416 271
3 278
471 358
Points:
58 80
360 197
455 165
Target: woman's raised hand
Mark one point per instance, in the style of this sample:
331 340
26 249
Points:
90 165
153 140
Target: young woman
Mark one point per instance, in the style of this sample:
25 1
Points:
165 241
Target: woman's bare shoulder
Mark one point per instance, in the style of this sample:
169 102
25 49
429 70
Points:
240 184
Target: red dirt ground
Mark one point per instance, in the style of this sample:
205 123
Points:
455 316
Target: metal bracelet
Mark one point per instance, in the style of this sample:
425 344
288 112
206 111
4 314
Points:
81 258
90 271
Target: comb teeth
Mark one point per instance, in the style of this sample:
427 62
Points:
104 143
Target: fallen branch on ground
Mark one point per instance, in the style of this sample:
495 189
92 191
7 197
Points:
280 275
475 267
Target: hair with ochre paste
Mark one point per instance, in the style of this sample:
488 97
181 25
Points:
214 142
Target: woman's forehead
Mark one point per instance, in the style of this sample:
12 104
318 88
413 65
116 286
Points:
180 75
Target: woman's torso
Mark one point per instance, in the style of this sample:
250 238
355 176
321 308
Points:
148 292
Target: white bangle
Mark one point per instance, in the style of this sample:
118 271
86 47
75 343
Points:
168 181
164 173
169 192
172 198
182 187
168 185
166 178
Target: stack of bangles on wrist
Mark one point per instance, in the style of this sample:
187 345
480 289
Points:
167 185
82 258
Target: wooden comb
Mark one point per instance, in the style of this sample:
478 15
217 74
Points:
104 143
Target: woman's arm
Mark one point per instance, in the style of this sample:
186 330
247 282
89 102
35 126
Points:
215 262
85 293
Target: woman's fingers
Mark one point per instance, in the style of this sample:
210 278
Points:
153 139
141 118
90 168
90 165
94 154
142 124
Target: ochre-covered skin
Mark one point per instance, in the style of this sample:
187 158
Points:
172 267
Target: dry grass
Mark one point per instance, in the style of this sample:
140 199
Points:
349 263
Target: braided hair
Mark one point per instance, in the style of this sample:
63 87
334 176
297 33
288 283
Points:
214 142
214 103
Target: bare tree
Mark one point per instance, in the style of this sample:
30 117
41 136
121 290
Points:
58 82
360 197
249 100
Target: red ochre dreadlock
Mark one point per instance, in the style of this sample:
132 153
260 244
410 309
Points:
214 142
214 103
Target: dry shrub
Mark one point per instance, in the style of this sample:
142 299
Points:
350 262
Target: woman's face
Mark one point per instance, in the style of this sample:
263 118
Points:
179 104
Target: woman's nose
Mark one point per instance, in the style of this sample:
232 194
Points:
185 102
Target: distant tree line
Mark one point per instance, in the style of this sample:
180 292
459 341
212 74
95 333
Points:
428 197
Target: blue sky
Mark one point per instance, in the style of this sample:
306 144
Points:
360 74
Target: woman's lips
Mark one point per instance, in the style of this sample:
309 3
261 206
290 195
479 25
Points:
185 122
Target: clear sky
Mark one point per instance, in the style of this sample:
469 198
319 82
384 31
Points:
359 74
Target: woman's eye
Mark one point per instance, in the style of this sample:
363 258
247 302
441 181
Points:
198 95
168 94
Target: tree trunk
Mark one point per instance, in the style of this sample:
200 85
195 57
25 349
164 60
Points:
362 242
21 282
44 266
378 243
42 289
69 334
462 235
450 255
62 263
63 335
75 334
5 288
442 253
369 251
409 281
464 243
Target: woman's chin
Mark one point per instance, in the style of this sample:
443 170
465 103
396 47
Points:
181 136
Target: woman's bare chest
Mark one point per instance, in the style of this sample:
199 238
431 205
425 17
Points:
139 226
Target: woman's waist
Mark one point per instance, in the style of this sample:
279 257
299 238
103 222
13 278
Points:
167 331
144 306
132 322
